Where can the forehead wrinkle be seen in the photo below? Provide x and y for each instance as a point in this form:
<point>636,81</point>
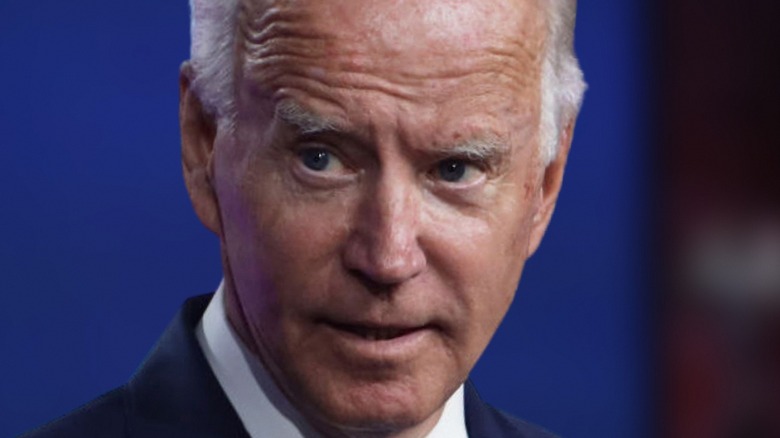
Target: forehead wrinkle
<point>281,39</point>
<point>276,33</point>
<point>284,76</point>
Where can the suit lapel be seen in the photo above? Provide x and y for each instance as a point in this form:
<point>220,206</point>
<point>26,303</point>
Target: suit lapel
<point>482,420</point>
<point>174,392</point>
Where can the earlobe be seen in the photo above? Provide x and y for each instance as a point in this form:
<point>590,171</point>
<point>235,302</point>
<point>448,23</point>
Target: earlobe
<point>550,188</point>
<point>198,133</point>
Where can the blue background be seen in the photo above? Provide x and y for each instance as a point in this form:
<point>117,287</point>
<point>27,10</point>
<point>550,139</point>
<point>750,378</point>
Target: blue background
<point>100,246</point>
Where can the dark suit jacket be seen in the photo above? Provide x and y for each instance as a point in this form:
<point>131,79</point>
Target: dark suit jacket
<point>174,394</point>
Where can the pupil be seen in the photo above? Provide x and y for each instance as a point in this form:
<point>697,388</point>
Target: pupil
<point>315,159</point>
<point>451,170</point>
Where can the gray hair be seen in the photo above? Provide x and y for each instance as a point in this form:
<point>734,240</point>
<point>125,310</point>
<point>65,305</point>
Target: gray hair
<point>213,31</point>
<point>562,83</point>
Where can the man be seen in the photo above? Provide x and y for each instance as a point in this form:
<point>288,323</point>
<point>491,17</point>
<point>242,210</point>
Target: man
<point>377,173</point>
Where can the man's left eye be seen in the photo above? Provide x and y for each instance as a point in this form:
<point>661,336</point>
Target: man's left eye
<point>454,170</point>
<point>319,160</point>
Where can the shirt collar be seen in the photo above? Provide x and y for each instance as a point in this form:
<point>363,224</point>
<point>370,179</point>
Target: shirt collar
<point>261,406</point>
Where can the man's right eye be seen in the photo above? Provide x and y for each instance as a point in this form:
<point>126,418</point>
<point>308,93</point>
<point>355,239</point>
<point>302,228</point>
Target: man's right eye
<point>320,162</point>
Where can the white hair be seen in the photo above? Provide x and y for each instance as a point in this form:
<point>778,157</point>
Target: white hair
<point>562,83</point>
<point>213,33</point>
<point>213,29</point>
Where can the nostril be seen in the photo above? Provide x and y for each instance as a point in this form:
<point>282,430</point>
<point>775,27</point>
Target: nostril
<point>372,284</point>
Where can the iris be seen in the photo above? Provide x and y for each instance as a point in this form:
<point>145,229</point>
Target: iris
<point>452,170</point>
<point>315,159</point>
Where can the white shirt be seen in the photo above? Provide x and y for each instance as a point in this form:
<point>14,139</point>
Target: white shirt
<point>260,405</point>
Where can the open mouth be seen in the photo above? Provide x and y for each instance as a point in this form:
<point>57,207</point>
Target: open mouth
<point>376,333</point>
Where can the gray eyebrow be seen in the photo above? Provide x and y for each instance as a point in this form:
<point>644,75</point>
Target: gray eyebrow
<point>306,121</point>
<point>487,149</point>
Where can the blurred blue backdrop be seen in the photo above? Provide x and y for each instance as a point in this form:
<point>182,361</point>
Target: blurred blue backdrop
<point>100,246</point>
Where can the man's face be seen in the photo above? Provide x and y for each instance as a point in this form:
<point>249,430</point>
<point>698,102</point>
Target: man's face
<point>379,196</point>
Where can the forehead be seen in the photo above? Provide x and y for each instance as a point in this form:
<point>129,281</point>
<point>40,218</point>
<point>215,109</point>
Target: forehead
<point>399,24</point>
<point>412,37</point>
<point>437,59</point>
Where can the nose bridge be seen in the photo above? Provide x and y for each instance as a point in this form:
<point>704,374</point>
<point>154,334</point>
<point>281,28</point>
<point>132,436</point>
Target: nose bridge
<point>385,246</point>
<point>397,214</point>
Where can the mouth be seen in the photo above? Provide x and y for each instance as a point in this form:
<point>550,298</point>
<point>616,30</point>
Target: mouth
<point>377,346</point>
<point>373,333</point>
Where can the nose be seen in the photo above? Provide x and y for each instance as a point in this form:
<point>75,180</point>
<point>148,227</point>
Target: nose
<point>384,245</point>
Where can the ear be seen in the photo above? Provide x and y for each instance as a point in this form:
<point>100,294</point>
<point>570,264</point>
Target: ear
<point>198,132</point>
<point>551,186</point>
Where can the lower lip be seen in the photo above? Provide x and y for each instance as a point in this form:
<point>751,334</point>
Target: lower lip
<point>399,348</point>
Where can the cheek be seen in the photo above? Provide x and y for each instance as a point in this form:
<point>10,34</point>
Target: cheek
<point>280,246</point>
<point>484,248</point>
<point>480,258</point>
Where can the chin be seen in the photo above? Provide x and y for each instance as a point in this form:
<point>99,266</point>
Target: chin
<point>377,409</point>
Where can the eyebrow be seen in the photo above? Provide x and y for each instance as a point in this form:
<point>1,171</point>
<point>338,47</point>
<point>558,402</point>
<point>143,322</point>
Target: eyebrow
<point>307,122</point>
<point>489,150</point>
